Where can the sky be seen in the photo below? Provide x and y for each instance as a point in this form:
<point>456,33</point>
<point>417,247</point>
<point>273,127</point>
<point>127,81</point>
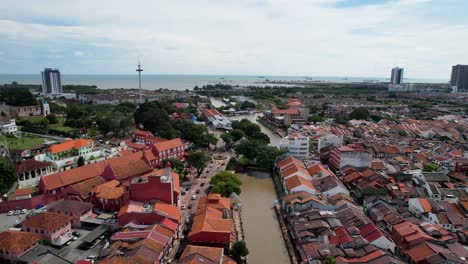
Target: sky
<point>353,38</point>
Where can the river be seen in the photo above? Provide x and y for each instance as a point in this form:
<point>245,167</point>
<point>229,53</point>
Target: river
<point>274,138</point>
<point>262,232</point>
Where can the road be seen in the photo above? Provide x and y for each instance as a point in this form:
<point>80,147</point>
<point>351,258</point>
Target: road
<point>195,183</point>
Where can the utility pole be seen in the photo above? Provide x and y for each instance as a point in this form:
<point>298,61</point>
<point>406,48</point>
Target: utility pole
<point>139,70</point>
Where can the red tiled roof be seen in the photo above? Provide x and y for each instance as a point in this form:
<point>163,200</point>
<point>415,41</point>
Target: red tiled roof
<point>84,188</point>
<point>215,200</point>
<point>173,212</point>
<point>142,132</point>
<point>289,160</point>
<point>290,111</point>
<point>22,192</point>
<point>210,220</point>
<point>109,190</point>
<point>131,165</point>
<point>296,181</point>
<point>169,144</point>
<point>70,144</point>
<point>17,241</point>
<point>72,176</point>
<point>426,205</point>
<point>292,169</point>
<point>47,221</point>
<point>316,168</point>
<point>210,112</point>
<point>30,165</point>
<point>212,253</point>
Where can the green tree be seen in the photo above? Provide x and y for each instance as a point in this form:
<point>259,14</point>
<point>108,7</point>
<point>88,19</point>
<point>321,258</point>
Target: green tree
<point>199,135</point>
<point>239,251</point>
<point>266,156</point>
<point>244,161</point>
<point>248,148</point>
<point>80,162</point>
<point>330,260</point>
<point>199,160</point>
<point>225,183</point>
<point>8,174</point>
<point>154,117</point>
<point>227,138</point>
<point>315,119</point>
<point>52,119</point>
<point>237,134</point>
<point>176,164</point>
<point>360,113</point>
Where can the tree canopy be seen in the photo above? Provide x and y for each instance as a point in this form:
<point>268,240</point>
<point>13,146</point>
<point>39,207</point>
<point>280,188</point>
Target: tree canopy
<point>17,96</point>
<point>239,251</point>
<point>360,113</point>
<point>8,174</point>
<point>199,160</point>
<point>226,183</point>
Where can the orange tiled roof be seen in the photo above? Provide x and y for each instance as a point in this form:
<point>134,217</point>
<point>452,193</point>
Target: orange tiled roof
<point>215,200</point>
<point>212,253</point>
<point>72,176</point>
<point>289,160</point>
<point>210,220</point>
<point>47,221</point>
<point>109,190</point>
<point>296,181</point>
<point>171,211</point>
<point>84,188</point>
<point>127,166</point>
<point>174,175</point>
<point>316,168</point>
<point>17,241</point>
<point>426,205</point>
<point>22,192</point>
<point>70,144</point>
<point>290,170</point>
<point>169,144</point>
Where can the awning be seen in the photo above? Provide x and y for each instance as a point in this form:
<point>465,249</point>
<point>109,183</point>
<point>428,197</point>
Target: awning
<point>93,235</point>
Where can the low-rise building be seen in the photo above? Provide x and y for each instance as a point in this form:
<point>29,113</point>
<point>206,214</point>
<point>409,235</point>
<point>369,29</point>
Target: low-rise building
<point>8,126</point>
<point>148,213</point>
<point>208,255</point>
<point>350,155</point>
<point>70,148</point>
<point>55,227</point>
<point>210,228</point>
<point>14,244</point>
<point>77,210</point>
<point>30,172</point>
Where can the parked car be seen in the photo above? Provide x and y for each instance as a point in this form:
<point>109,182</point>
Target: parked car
<point>182,207</point>
<point>193,197</point>
<point>17,212</point>
<point>91,258</point>
<point>188,188</point>
<point>202,184</point>
<point>74,238</point>
<point>197,191</point>
<point>76,233</point>
<point>190,206</point>
<point>24,211</point>
<point>183,193</point>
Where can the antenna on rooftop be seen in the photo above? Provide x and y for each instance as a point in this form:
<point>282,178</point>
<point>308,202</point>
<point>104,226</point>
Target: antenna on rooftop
<point>139,70</point>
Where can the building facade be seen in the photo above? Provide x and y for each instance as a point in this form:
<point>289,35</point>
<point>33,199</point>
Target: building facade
<point>297,144</point>
<point>51,81</point>
<point>459,77</point>
<point>397,76</point>
<point>8,126</point>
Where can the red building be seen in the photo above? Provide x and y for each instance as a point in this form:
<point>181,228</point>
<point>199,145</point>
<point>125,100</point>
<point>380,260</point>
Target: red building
<point>174,148</point>
<point>110,196</point>
<point>161,185</point>
<point>210,228</point>
<point>148,213</point>
<point>141,135</point>
<point>14,244</point>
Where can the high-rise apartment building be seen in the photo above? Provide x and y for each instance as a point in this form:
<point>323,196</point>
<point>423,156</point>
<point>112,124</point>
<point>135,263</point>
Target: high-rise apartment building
<point>397,76</point>
<point>460,77</point>
<point>51,81</point>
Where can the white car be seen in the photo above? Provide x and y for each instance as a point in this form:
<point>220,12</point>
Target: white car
<point>17,212</point>
<point>182,207</point>
<point>193,197</point>
<point>24,211</point>
<point>11,212</point>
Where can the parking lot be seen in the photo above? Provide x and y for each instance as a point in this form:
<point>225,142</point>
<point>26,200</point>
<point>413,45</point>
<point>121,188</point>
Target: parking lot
<point>7,221</point>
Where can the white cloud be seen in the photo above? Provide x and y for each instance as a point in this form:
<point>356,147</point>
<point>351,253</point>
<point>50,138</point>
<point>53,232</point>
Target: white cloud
<point>300,37</point>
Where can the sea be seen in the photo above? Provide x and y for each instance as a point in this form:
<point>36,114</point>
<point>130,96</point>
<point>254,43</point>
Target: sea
<point>183,82</point>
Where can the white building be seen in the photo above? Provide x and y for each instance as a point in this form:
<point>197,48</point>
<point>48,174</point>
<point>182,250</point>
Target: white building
<point>8,126</point>
<point>297,144</point>
<point>329,140</point>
